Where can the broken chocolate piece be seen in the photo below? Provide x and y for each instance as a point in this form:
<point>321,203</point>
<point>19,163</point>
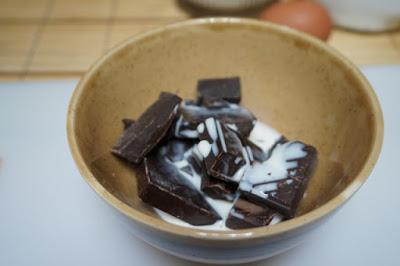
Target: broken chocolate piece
<point>246,214</point>
<point>218,189</point>
<point>127,122</point>
<point>214,188</point>
<point>162,185</point>
<point>280,181</point>
<point>219,89</point>
<point>224,156</point>
<point>234,116</point>
<point>141,137</point>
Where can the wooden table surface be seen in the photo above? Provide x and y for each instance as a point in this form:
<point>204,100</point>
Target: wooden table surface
<point>61,38</point>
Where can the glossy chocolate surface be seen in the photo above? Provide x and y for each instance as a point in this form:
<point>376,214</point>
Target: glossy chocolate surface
<point>148,130</point>
<point>163,186</point>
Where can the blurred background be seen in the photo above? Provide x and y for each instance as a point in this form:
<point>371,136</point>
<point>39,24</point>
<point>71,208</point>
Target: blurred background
<point>61,38</point>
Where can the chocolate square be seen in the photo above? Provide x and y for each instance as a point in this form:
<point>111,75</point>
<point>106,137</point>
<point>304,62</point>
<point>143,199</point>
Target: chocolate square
<point>218,189</point>
<point>141,137</point>
<point>280,181</point>
<point>213,187</point>
<point>162,185</point>
<point>246,214</point>
<point>219,89</point>
<point>225,158</point>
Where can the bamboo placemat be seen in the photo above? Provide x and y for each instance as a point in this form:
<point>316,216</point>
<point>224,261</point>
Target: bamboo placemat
<point>59,38</point>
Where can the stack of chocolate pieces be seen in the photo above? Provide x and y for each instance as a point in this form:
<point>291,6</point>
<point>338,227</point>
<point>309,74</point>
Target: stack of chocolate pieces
<point>192,153</point>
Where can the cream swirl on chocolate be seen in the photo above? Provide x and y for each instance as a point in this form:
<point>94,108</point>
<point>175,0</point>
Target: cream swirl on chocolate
<point>279,182</point>
<point>261,178</point>
<point>228,157</point>
<point>234,116</point>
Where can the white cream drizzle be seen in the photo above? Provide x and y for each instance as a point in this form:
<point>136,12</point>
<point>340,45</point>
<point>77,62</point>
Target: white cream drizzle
<point>187,133</point>
<point>233,127</point>
<point>277,165</point>
<point>261,178</point>
<point>178,126</point>
<point>197,153</point>
<point>250,153</point>
<point>204,148</point>
<point>234,213</point>
<point>191,134</point>
<point>276,219</point>
<point>264,136</point>
<point>200,128</point>
<point>221,136</point>
<point>222,207</point>
<point>211,129</point>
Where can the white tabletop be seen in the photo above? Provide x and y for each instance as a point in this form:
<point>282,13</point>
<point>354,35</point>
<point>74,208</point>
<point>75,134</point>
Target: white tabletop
<point>50,216</point>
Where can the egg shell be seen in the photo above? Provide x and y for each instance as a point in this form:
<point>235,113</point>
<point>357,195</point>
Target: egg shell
<point>306,16</point>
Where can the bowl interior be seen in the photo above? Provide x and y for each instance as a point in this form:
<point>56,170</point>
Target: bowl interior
<point>287,81</point>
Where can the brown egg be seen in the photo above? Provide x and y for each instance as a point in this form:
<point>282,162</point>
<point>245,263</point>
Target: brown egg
<point>303,15</point>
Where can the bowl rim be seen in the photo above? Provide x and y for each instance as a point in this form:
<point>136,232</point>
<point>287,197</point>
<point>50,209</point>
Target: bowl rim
<point>252,233</point>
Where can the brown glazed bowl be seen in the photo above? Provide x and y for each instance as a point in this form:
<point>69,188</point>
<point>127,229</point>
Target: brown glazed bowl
<point>298,84</point>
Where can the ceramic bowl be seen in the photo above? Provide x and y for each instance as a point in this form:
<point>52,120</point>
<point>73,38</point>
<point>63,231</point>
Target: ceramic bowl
<point>298,84</point>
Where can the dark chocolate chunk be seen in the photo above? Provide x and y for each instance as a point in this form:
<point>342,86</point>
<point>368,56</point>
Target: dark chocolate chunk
<point>127,122</point>
<point>234,116</point>
<point>224,156</point>
<point>218,189</point>
<point>214,188</point>
<point>246,214</point>
<point>219,89</point>
<point>162,185</point>
<point>140,138</point>
<point>280,181</point>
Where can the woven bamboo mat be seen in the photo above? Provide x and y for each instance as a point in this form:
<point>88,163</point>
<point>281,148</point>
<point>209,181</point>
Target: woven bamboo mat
<point>59,38</point>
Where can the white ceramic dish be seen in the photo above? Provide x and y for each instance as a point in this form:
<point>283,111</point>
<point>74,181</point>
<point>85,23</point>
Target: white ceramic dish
<point>365,15</point>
